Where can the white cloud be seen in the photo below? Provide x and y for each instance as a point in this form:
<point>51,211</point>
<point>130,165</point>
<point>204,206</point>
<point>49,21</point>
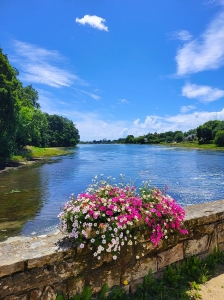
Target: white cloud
<point>187,108</point>
<point>93,126</point>
<point>93,21</point>
<point>39,65</point>
<point>94,96</point>
<point>183,122</point>
<point>182,35</point>
<point>123,101</point>
<point>203,93</point>
<point>205,52</point>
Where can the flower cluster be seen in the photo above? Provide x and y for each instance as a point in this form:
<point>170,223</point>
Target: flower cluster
<point>105,216</point>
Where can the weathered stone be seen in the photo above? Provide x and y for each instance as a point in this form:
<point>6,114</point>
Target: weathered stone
<point>61,289</point>
<point>143,266</point>
<point>75,286</point>
<point>221,246</point>
<point>40,261</point>
<point>21,297</point>
<point>35,294</point>
<point>205,229</point>
<point>109,273</point>
<point>220,227</point>
<point>170,256</point>
<point>194,247</point>
<point>221,237</point>
<point>12,268</point>
<point>48,294</point>
<point>41,267</point>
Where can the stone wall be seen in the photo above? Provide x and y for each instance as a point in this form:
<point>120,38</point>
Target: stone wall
<point>40,267</point>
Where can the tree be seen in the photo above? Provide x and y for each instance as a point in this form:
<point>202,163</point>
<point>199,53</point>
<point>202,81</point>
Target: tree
<point>179,137</point>
<point>219,138</point>
<point>28,96</point>
<point>8,107</point>
<point>61,132</point>
<point>129,139</point>
<point>32,128</point>
<point>205,132</point>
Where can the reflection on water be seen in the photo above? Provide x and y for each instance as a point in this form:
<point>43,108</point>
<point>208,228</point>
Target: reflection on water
<point>31,197</point>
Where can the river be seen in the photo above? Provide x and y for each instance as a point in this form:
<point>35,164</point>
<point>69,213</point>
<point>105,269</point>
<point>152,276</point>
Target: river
<point>31,196</point>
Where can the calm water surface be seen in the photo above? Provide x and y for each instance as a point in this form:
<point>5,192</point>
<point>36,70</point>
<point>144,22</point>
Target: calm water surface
<point>31,197</point>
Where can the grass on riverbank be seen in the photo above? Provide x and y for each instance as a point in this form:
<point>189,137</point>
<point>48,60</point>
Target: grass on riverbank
<point>32,153</point>
<point>195,145</point>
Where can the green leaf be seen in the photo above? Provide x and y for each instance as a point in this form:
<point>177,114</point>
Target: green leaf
<point>103,291</point>
<point>87,293</point>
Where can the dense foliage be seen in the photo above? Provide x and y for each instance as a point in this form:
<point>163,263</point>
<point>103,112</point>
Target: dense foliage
<point>21,120</point>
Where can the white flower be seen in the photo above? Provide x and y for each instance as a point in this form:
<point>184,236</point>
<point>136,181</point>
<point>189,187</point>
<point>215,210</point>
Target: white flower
<point>95,254</point>
<point>92,240</point>
<point>137,257</point>
<point>104,241</point>
<point>81,246</point>
<point>115,257</point>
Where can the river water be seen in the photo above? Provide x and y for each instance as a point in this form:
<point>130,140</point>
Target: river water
<point>31,196</point>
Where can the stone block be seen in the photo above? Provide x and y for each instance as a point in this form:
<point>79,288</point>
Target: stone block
<point>40,260</point>
<point>48,294</point>
<point>11,268</point>
<point>220,237</point>
<point>143,266</point>
<point>205,229</point>
<point>75,286</point>
<point>35,294</point>
<point>170,256</point>
<point>194,247</point>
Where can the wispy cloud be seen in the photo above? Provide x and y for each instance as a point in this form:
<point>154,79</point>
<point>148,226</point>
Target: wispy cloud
<point>182,35</point>
<point>90,94</point>
<point>204,53</point>
<point>123,101</point>
<point>93,21</point>
<point>203,93</point>
<point>39,65</point>
<point>187,108</point>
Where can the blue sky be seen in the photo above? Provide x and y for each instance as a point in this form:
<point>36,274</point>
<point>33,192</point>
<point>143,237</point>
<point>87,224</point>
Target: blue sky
<point>120,67</point>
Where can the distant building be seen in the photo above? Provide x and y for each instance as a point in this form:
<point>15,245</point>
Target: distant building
<point>190,137</point>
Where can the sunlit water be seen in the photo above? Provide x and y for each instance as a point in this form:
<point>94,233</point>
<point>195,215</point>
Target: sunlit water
<point>31,197</point>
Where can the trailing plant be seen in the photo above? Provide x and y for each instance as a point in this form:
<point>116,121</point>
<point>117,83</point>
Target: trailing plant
<point>105,215</point>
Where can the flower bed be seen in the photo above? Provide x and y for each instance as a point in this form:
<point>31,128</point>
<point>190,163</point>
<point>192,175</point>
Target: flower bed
<point>105,216</point>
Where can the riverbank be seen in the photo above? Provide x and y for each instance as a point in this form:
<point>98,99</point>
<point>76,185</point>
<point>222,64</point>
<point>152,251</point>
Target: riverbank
<point>31,155</point>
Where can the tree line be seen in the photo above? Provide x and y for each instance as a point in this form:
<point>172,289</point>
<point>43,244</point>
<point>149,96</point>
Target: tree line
<point>209,132</point>
<point>21,120</point>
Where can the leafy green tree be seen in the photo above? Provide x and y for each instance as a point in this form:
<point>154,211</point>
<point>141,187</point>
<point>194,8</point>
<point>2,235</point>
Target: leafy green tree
<point>61,132</point>
<point>32,128</point>
<point>179,137</point>
<point>205,132</point>
<point>219,138</point>
<point>28,96</point>
<point>129,139</point>
<point>8,107</point>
